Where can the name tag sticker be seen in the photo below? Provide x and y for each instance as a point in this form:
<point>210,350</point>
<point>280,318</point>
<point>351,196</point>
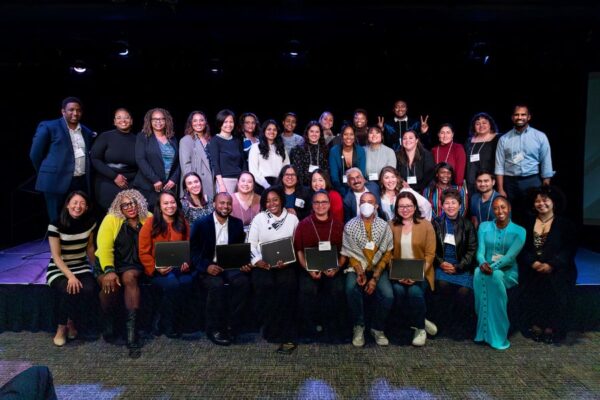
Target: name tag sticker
<point>412,180</point>
<point>474,158</point>
<point>299,203</point>
<point>518,157</point>
<point>324,245</point>
<point>373,176</point>
<point>449,238</point>
<point>344,179</point>
<point>311,168</point>
<point>370,245</point>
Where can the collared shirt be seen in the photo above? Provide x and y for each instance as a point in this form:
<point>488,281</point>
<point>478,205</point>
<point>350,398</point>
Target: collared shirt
<point>482,210</point>
<point>221,234</point>
<point>524,154</point>
<point>357,196</point>
<point>78,150</point>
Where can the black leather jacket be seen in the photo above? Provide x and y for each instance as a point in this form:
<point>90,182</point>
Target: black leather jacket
<point>465,238</point>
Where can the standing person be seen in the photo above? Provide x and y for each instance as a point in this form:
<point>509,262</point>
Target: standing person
<point>480,147</point>
<point>268,156</point>
<point>547,271</point>
<point>481,201</point>
<point>415,164</point>
<point>320,181</point>
<point>71,238</point>
<point>297,196</point>
<point>456,244</point>
<point>113,158</point>
<point>312,155</point>
<point>444,176</point>
<point>523,160</point>
<point>275,286</point>
<point>119,262</point>
<point>156,155</point>
<point>194,202</point>
<point>343,156</point>
<point>326,122</point>
<point>248,128</point>
<point>360,123</point>
<point>290,138</point>
<point>498,244</point>
<point>168,224</point>
<point>367,243</point>
<point>226,154</point>
<point>452,153</point>
<point>414,238</point>
<point>193,152</point>
<point>393,131</point>
<point>59,153</point>
<point>224,306</point>
<point>245,201</point>
<point>321,298</point>
<point>377,154</point>
<point>390,185</point>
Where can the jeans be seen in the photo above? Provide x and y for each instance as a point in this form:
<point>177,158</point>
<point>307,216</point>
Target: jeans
<point>384,298</point>
<point>415,294</point>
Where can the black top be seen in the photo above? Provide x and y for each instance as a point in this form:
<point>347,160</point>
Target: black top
<point>309,154</point>
<point>226,156</point>
<point>126,248</point>
<point>422,169</point>
<point>487,159</point>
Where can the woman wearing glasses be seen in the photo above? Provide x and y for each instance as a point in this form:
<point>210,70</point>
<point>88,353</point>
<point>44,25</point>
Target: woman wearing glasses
<point>156,153</point>
<point>297,197</point>
<point>118,261</point>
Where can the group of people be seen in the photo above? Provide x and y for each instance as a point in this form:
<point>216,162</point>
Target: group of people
<point>374,194</point>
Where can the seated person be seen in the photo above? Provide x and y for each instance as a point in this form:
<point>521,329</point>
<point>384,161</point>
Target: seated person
<point>358,186</point>
<point>444,175</point>
<point>297,196</point>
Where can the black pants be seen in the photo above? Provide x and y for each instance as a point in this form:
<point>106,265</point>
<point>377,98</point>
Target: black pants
<point>453,306</point>
<point>225,305</point>
<point>545,302</point>
<point>322,301</point>
<point>275,291</point>
<point>71,305</point>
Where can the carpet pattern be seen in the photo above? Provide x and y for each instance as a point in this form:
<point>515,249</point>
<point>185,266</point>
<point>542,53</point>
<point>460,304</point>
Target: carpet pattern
<point>193,367</point>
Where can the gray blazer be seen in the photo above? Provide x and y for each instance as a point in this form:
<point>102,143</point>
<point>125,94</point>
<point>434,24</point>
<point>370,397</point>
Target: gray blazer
<point>193,157</point>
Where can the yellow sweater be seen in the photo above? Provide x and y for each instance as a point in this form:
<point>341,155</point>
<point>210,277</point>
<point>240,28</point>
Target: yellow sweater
<point>109,229</point>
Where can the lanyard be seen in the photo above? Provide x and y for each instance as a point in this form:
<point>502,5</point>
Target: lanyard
<point>473,148</point>
<point>491,200</point>
<point>318,153</point>
<point>437,153</point>
<point>330,229</point>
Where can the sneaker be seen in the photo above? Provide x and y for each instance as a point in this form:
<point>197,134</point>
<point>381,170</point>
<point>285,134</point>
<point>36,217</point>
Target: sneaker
<point>419,338</point>
<point>358,337</point>
<point>430,328</point>
<point>379,337</point>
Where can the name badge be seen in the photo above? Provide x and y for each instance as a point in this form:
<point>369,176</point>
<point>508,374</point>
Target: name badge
<point>373,176</point>
<point>412,180</point>
<point>449,238</point>
<point>325,245</point>
<point>311,168</point>
<point>79,153</point>
<point>344,179</point>
<point>299,203</point>
<point>497,257</point>
<point>517,158</point>
<point>474,158</point>
<point>370,245</point>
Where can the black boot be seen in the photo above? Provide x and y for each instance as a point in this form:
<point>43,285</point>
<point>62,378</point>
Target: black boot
<point>132,336</point>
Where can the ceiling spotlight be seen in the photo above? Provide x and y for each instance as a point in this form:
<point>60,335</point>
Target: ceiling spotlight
<point>293,49</point>
<point>79,67</point>
<point>215,66</point>
<point>122,48</point>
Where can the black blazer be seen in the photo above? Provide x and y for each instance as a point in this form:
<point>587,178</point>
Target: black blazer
<point>203,239</point>
<point>150,162</point>
<point>350,205</point>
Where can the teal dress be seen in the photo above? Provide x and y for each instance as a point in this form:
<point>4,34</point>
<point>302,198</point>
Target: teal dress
<point>499,248</point>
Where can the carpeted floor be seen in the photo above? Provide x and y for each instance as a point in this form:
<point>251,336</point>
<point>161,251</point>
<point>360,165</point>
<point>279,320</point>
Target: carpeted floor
<point>195,368</point>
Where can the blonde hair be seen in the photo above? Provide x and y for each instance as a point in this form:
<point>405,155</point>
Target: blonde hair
<point>137,197</point>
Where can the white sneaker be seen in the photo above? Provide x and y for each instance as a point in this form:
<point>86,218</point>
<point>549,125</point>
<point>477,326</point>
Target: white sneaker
<point>430,328</point>
<point>358,337</point>
<point>379,337</point>
<point>419,338</point>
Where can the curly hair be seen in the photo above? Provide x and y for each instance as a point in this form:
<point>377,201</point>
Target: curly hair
<point>135,196</point>
<point>481,115</point>
<point>169,126</point>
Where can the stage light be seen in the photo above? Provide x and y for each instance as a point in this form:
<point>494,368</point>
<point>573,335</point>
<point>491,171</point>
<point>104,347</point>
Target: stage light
<point>293,49</point>
<point>122,48</point>
<point>215,66</point>
<point>79,67</point>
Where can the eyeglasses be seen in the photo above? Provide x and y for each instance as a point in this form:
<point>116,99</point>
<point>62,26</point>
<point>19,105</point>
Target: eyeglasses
<point>320,203</point>
<point>125,206</point>
<point>158,119</point>
<point>405,207</point>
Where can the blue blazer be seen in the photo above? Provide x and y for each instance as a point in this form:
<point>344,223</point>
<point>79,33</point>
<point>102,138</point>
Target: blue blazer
<point>350,205</point>
<point>337,167</point>
<point>151,167</point>
<point>52,156</point>
<point>203,239</point>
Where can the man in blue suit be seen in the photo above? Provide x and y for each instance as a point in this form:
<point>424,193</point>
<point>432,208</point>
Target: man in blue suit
<point>224,311</point>
<point>60,156</point>
<point>358,185</point>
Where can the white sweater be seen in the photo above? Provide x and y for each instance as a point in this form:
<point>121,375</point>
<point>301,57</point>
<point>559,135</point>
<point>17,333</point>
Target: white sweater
<point>262,168</point>
<point>266,227</point>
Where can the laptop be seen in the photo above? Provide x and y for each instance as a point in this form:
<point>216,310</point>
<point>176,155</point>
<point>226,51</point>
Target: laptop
<point>233,256</point>
<point>408,269</point>
<point>278,250</point>
<point>320,260</point>
<point>171,254</point>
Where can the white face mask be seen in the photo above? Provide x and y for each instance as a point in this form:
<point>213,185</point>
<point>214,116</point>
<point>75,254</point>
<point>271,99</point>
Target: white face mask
<point>366,209</point>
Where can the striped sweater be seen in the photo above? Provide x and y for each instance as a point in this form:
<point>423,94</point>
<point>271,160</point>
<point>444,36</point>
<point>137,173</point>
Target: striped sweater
<point>73,246</point>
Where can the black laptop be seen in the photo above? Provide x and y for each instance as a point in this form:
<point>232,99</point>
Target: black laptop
<point>320,260</point>
<point>171,254</point>
<point>408,268</point>
<point>233,256</point>
<point>278,250</point>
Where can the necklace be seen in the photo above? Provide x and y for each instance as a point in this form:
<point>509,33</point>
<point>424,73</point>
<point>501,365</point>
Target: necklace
<point>545,222</point>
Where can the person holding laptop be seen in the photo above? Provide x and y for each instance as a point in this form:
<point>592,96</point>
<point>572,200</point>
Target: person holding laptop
<point>367,242</point>
<point>456,245</point>
<point>414,238</point>
<point>168,224</point>
<point>321,231</point>
<point>274,284</point>
<point>224,309</point>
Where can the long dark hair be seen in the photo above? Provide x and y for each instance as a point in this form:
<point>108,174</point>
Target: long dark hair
<point>282,173</point>
<point>65,221</point>
<point>325,176</point>
<point>483,115</point>
<point>188,196</point>
<point>169,126</point>
<point>221,117</point>
<point>188,130</point>
<point>403,157</point>
<point>159,225</point>
<point>416,216</point>
<point>239,129</point>
<point>263,143</point>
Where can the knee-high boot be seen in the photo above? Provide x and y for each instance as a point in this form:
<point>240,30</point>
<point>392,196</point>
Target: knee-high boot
<point>132,336</point>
